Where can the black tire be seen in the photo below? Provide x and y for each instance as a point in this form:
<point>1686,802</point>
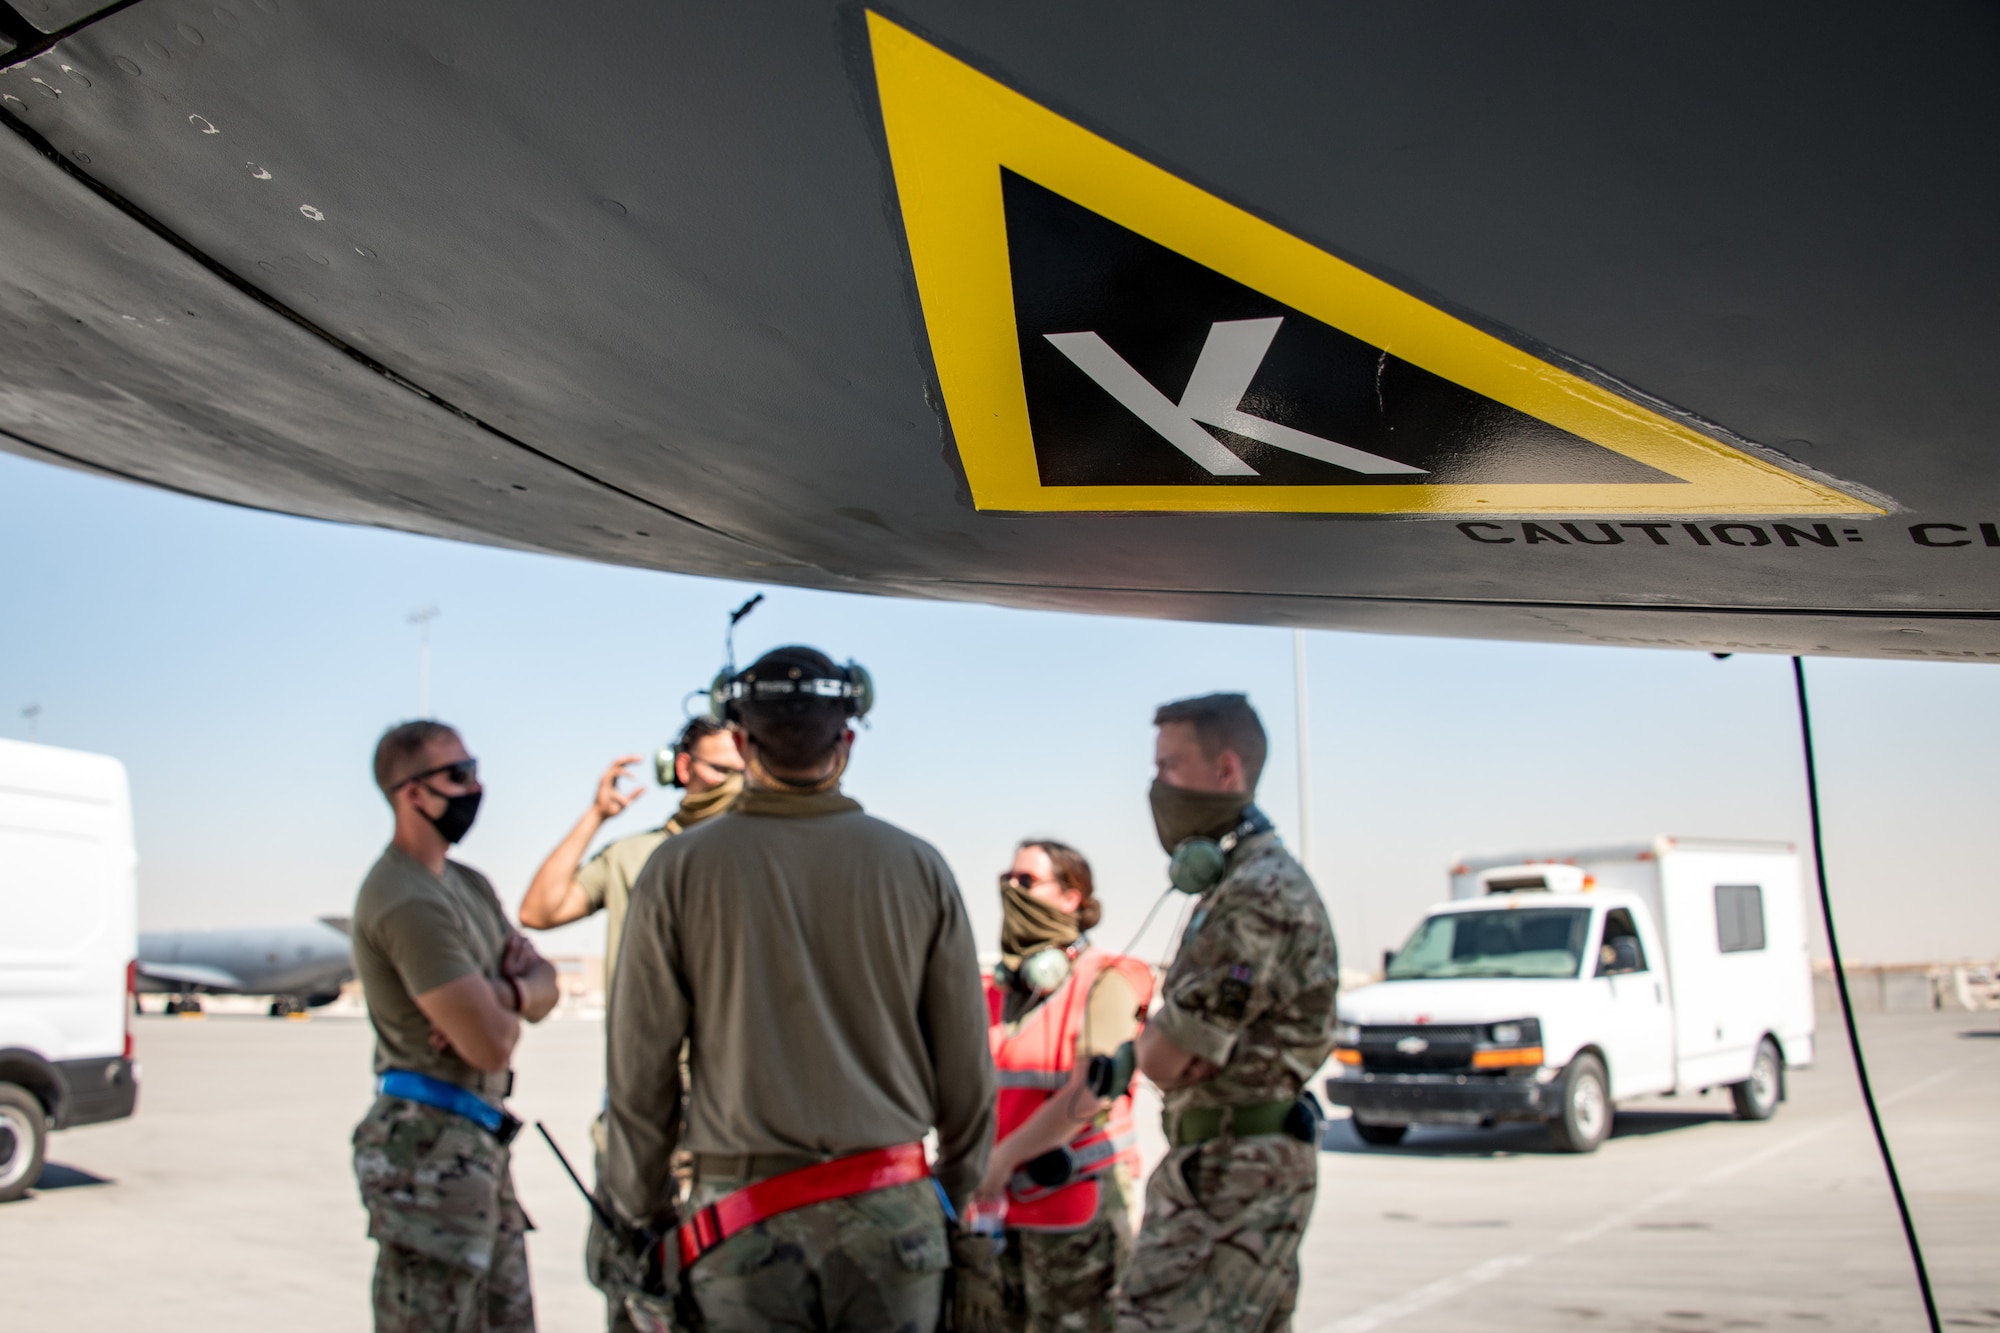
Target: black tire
<point>1585,1121</point>
<point>24,1140</point>
<point>1381,1136</point>
<point>1757,1097</point>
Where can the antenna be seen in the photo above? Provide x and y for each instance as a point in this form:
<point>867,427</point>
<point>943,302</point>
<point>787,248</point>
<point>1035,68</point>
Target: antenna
<point>422,619</point>
<point>729,637</point>
<point>1305,748</point>
<point>33,712</point>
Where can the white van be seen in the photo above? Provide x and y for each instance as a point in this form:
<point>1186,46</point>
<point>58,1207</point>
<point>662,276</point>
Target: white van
<point>1555,985</point>
<point>68,945</point>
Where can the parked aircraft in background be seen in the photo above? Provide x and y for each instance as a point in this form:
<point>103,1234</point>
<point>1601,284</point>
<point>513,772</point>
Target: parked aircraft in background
<point>299,967</point>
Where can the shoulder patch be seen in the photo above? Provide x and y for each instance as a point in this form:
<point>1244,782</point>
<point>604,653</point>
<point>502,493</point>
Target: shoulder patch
<point>1232,997</point>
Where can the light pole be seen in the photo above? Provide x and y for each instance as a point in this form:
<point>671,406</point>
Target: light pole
<point>422,620</point>
<point>33,712</point>
<point>1305,748</point>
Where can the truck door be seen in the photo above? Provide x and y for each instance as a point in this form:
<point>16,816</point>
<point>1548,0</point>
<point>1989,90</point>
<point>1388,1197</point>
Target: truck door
<point>1639,1039</point>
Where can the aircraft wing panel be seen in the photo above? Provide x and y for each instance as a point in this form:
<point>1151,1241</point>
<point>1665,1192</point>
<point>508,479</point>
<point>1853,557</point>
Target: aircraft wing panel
<point>635,283</point>
<point>129,356</point>
<point>172,975</point>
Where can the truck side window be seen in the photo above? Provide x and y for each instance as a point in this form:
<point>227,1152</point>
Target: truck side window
<point>1739,917</point>
<point>1621,950</point>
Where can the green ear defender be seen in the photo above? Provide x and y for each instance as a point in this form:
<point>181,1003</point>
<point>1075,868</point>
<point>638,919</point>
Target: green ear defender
<point>718,695</point>
<point>1198,863</point>
<point>861,688</point>
<point>1044,970</point>
<point>1039,973</point>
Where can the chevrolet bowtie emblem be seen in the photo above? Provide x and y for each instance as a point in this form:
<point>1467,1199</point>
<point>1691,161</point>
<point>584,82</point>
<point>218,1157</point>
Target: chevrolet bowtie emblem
<point>1413,1046</point>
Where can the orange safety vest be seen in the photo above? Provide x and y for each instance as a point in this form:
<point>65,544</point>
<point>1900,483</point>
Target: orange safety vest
<point>1034,1060</point>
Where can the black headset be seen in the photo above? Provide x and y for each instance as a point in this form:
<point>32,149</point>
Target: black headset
<point>851,685</point>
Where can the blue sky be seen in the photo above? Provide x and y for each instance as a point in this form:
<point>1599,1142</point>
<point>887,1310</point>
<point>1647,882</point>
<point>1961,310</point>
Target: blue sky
<point>241,664</point>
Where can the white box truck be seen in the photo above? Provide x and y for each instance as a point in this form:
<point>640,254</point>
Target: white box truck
<point>68,941</point>
<point>1557,984</point>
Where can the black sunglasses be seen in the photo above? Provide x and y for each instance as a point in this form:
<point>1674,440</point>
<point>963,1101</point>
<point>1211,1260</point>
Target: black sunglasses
<point>1020,879</point>
<point>462,772</point>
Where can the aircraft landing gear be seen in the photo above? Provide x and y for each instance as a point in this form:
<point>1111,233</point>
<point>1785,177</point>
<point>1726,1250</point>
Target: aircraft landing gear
<point>287,1006</point>
<point>184,1004</point>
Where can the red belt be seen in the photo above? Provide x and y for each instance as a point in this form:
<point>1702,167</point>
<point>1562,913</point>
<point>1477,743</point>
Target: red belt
<point>843,1176</point>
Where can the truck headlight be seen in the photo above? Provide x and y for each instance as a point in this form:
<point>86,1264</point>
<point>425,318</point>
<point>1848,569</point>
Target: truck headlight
<point>1346,1034</point>
<point>1520,1032</point>
<point>1507,1034</point>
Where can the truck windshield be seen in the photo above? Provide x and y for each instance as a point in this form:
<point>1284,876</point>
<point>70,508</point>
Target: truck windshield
<point>1537,942</point>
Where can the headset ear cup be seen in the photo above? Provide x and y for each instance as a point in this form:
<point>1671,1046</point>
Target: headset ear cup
<point>1044,970</point>
<point>863,684</point>
<point>663,767</point>
<point>1197,865</point>
<point>718,705</point>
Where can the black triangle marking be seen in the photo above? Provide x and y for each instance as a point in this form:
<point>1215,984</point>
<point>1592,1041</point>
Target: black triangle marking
<point>1076,271</point>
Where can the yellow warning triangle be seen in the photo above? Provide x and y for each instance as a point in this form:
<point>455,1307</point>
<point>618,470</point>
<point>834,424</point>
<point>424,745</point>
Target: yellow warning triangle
<point>1073,393</point>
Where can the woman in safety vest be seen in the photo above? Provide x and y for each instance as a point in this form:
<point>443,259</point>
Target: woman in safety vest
<point>1063,1162</point>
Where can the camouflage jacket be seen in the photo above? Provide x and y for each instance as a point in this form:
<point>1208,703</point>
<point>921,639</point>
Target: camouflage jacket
<point>1251,989</point>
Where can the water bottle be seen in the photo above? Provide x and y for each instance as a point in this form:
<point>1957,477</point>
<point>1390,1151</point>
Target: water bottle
<point>989,1220</point>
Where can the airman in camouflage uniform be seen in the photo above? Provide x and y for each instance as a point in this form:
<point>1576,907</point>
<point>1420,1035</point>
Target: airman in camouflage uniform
<point>448,987</point>
<point>1246,1017</point>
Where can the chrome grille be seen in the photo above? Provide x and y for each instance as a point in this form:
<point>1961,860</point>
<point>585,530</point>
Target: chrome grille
<point>1425,1048</point>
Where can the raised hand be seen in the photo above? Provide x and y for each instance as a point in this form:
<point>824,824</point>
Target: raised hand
<point>611,800</point>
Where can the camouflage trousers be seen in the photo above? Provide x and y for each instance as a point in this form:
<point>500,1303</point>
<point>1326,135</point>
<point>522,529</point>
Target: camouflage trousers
<point>453,1251</point>
<point>869,1263</point>
<point>1219,1246</point>
<point>1061,1281</point>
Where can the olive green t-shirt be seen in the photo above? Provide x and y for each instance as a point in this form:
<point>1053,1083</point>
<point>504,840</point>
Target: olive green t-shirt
<point>413,932</point>
<point>606,880</point>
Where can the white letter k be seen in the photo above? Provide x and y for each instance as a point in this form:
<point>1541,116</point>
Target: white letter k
<point>1229,361</point>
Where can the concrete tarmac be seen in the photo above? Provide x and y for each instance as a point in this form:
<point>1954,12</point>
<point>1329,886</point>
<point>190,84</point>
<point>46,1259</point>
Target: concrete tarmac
<point>227,1202</point>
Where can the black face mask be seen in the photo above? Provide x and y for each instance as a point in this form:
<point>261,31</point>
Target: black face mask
<point>459,812</point>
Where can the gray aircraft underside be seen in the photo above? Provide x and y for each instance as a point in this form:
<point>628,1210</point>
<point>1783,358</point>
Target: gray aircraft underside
<point>306,964</point>
<point>1664,325</point>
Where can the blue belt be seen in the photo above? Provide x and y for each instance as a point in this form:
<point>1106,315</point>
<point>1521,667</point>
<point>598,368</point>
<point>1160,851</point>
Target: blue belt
<point>415,1087</point>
